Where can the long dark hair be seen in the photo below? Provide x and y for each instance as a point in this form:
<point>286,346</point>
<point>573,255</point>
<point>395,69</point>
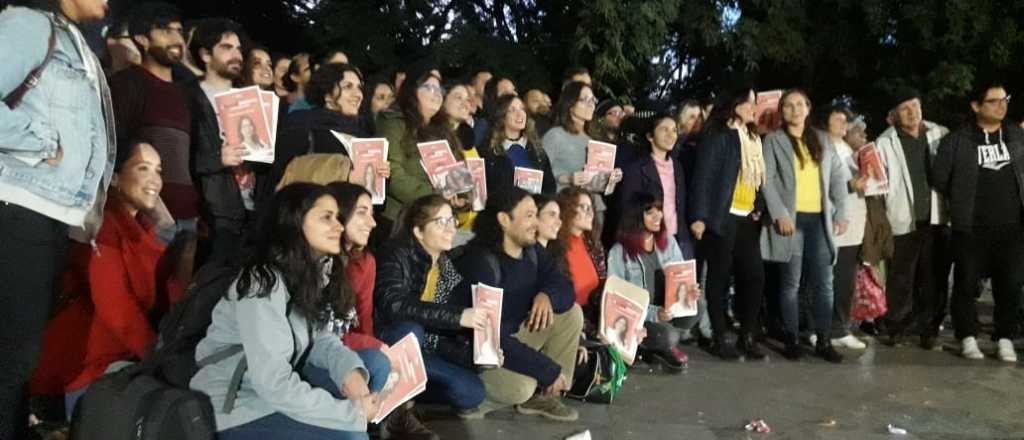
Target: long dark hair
<point>347,195</point>
<point>440,125</point>
<point>487,231</point>
<point>725,111</point>
<point>555,247</point>
<point>632,229</point>
<point>563,108</point>
<point>497,135</point>
<point>409,106</point>
<point>810,135</point>
<point>280,247</point>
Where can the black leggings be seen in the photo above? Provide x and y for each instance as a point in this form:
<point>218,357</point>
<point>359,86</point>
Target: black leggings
<point>734,253</point>
<point>32,252</point>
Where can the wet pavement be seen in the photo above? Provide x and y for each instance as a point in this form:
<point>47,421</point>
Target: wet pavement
<point>932,394</point>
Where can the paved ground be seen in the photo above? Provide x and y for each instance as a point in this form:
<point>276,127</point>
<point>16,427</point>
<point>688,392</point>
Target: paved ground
<point>934,395</point>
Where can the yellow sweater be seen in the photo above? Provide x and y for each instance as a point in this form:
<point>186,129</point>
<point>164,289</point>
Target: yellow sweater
<point>808,182</point>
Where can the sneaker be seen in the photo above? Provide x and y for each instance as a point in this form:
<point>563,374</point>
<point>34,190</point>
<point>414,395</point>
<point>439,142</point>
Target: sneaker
<point>478,413</point>
<point>970,348</point>
<point>1006,351</point>
<point>681,355</point>
<point>550,407</point>
<point>849,341</point>
<point>813,340</point>
<point>403,424</point>
<point>827,352</point>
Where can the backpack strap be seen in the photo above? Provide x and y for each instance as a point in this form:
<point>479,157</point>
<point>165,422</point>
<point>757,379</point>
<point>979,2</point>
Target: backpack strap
<point>14,98</point>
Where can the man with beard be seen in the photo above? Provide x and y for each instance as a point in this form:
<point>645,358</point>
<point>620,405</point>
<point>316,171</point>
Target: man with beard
<point>227,184</point>
<point>148,105</point>
<point>540,322</point>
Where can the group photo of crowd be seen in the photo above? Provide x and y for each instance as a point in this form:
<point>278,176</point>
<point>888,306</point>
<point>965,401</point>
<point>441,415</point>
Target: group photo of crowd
<point>262,232</point>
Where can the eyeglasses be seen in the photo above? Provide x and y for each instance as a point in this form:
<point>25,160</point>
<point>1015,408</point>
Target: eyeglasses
<point>445,222</point>
<point>588,101</point>
<point>437,90</point>
<point>1005,100</point>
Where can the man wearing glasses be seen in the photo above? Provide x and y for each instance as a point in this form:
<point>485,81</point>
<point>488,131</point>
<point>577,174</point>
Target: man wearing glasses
<point>980,168</point>
<point>907,148</point>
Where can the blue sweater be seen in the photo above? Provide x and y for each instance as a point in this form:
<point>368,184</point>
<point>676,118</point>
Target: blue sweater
<point>521,279</point>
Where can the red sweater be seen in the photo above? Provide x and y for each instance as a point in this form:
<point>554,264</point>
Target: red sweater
<point>123,287</point>
<point>362,274</point>
<point>581,267</point>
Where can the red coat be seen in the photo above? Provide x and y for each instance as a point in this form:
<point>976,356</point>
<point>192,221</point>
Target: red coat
<point>361,272</point>
<point>123,287</point>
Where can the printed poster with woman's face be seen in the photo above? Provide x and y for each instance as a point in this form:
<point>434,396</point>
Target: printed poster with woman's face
<point>487,342</point>
<point>408,376</point>
<point>623,311</point>
<point>681,292</point>
<point>870,163</point>
<point>242,115</point>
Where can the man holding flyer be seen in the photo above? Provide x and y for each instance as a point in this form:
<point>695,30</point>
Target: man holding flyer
<point>540,322</point>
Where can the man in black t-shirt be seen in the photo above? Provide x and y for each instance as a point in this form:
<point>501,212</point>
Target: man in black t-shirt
<point>980,168</point>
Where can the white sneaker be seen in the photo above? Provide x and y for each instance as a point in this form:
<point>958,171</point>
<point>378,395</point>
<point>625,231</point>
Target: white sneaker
<point>813,339</point>
<point>849,341</point>
<point>1006,351</point>
<point>970,348</point>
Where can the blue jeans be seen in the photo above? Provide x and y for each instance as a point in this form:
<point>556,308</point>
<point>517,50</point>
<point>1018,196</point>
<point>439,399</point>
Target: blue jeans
<point>812,259</point>
<point>447,383</point>
<point>278,425</point>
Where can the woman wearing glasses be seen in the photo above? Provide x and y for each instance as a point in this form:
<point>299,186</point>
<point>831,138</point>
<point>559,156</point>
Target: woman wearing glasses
<point>420,291</point>
<point>566,143</point>
<point>419,99</point>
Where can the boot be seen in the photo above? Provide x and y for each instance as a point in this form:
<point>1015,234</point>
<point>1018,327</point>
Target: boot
<point>746,345</point>
<point>723,350</point>
<point>825,349</point>
<point>792,351</point>
<point>403,424</point>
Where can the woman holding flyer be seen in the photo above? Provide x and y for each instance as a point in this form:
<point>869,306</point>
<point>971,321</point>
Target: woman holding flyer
<point>281,318</point>
<point>419,99</point>
<point>451,121</point>
<point>335,94</point>
<point>567,143</point>
<point>513,144</point>
<point>420,291</point>
<point>805,190</point>
<point>642,250</point>
<point>725,211</point>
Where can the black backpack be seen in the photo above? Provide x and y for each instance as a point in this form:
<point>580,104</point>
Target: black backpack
<point>151,400</point>
<point>600,378</point>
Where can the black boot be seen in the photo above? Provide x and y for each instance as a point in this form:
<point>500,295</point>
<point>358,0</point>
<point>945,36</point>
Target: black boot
<point>749,347</point>
<point>792,351</point>
<point>723,350</point>
<point>403,424</point>
<point>827,352</point>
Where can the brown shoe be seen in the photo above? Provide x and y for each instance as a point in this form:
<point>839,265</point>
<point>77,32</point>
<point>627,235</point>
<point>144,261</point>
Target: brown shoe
<point>402,424</point>
<point>550,407</point>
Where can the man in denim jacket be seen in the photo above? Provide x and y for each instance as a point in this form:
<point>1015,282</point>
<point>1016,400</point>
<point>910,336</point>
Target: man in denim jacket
<point>56,158</point>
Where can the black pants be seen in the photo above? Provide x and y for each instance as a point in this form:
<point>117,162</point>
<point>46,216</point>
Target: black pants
<point>999,253</point>
<point>734,252</point>
<point>942,264</point>
<point>844,280</point>
<point>910,283</point>
<point>32,253</point>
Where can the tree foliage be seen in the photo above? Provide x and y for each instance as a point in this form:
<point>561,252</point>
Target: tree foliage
<point>859,50</point>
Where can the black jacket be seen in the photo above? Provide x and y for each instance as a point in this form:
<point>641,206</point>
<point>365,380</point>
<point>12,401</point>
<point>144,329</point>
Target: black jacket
<point>714,179</point>
<point>222,206</point>
<point>501,172</point>
<point>309,131</point>
<point>401,275</point>
<point>642,177</point>
<point>955,171</point>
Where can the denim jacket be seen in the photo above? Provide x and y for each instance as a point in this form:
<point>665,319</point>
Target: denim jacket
<point>69,108</point>
<point>632,269</point>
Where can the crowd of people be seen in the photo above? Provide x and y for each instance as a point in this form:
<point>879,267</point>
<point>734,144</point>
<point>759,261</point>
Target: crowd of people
<point>116,186</point>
